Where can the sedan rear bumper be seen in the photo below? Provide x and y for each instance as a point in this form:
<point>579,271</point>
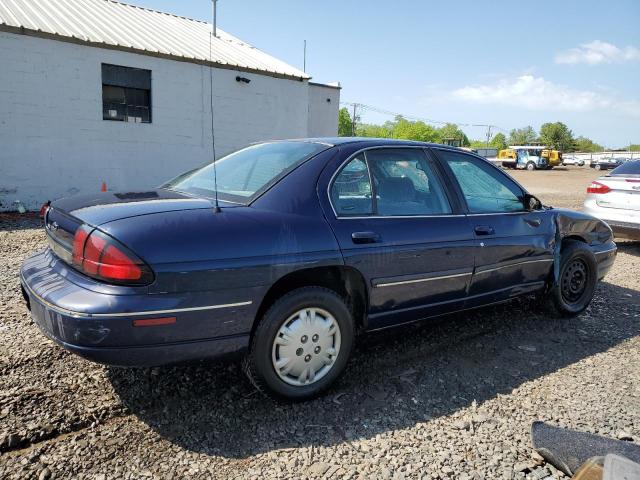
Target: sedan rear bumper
<point>630,231</point>
<point>143,355</point>
<point>65,312</point>
<point>617,219</point>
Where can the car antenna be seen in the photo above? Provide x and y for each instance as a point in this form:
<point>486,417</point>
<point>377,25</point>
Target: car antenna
<point>213,136</point>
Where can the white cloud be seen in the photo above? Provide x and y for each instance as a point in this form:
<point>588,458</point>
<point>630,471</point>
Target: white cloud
<point>598,52</point>
<point>536,93</point>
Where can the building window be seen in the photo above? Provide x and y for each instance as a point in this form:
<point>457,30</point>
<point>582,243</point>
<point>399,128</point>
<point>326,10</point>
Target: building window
<point>126,94</point>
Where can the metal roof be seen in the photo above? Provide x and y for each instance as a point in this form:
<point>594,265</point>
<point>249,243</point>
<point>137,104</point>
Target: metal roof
<point>116,25</point>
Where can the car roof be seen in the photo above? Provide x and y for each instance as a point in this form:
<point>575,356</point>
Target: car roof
<point>368,141</point>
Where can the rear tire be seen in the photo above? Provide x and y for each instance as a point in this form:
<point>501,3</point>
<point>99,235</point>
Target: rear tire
<point>301,345</point>
<point>598,167</point>
<point>577,283</point>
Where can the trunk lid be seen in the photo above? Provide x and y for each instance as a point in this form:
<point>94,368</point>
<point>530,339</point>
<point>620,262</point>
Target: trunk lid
<point>101,208</point>
<point>65,216</point>
<point>624,193</point>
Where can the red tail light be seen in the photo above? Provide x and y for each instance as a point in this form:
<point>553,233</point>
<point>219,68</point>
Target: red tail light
<point>100,256</point>
<point>597,187</point>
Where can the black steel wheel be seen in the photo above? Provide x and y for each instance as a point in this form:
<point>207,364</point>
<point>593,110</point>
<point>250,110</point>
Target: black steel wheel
<point>573,283</point>
<point>572,293</point>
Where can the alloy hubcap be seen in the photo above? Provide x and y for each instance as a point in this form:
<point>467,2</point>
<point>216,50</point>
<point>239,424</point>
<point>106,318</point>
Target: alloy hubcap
<point>574,281</point>
<point>306,346</point>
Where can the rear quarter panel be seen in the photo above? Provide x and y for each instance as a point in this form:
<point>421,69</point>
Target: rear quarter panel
<point>240,252</point>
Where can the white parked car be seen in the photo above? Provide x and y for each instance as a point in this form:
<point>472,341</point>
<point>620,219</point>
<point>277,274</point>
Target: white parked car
<point>615,198</point>
<point>572,160</point>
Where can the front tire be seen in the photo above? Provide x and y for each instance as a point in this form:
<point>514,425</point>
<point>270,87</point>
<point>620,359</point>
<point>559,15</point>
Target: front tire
<point>302,344</point>
<point>578,278</point>
<point>531,166</point>
<point>598,167</point>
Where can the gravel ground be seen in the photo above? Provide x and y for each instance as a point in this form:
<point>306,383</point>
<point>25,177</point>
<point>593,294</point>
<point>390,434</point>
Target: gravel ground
<point>453,398</point>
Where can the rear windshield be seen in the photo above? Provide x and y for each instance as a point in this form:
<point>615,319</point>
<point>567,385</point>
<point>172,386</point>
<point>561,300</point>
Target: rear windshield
<point>245,174</point>
<point>628,168</point>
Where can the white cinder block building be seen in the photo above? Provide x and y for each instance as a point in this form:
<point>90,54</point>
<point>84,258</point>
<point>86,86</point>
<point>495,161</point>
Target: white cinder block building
<point>99,91</point>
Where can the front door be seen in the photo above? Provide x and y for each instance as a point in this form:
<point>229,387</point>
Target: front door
<point>514,246</point>
<point>397,224</point>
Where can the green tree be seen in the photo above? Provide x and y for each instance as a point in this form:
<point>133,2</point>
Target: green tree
<point>557,135</point>
<point>419,131</point>
<point>451,130</point>
<point>344,123</point>
<point>478,143</point>
<point>522,136</point>
<point>583,144</point>
<point>499,141</point>
<point>372,130</point>
<point>634,147</point>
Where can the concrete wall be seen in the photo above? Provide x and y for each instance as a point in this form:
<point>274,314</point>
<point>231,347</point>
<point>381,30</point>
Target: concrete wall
<point>54,142</point>
<point>324,103</point>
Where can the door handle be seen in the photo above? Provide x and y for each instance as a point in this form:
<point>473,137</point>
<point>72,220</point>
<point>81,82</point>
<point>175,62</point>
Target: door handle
<point>365,237</point>
<point>534,222</point>
<point>484,230</point>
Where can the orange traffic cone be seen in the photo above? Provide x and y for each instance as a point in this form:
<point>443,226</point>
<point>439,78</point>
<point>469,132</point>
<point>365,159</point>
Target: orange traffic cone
<point>104,187</point>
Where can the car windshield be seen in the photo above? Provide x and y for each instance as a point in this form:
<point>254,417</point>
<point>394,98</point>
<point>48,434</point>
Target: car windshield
<point>245,174</point>
<point>629,168</point>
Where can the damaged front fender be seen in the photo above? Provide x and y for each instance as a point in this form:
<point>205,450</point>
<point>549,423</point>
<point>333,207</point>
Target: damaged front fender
<point>570,224</point>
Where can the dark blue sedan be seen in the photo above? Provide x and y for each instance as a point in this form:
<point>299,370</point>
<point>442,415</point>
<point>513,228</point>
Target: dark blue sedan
<point>314,241</point>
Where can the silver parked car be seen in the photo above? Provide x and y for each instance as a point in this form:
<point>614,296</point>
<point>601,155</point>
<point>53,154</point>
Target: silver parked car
<point>615,198</point>
<point>572,160</point>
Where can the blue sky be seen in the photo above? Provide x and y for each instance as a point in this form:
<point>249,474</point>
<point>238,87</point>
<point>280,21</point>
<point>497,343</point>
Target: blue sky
<point>506,63</point>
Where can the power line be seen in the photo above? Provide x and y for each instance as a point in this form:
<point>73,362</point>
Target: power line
<point>363,106</point>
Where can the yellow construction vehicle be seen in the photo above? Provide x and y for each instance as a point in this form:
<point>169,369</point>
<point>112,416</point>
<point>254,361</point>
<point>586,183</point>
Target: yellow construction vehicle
<point>530,157</point>
<point>554,157</point>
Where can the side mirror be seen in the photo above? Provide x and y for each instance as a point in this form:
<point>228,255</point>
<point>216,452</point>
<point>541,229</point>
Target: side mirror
<point>531,203</point>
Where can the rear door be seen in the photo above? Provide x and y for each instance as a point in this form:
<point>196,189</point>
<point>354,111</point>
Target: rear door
<point>397,224</point>
<point>514,247</point>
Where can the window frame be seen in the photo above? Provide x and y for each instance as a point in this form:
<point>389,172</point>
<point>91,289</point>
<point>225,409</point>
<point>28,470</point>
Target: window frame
<point>456,185</point>
<point>125,86</point>
<point>434,162</point>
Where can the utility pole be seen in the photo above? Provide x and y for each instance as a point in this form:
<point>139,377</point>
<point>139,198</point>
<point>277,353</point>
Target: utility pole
<point>488,134</point>
<point>353,121</point>
<point>215,30</point>
<point>304,57</point>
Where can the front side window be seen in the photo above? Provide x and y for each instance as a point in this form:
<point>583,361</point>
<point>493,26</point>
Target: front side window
<point>126,94</point>
<point>245,174</point>
<point>485,189</point>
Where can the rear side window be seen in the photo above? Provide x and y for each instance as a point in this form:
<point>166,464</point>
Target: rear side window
<point>485,189</point>
<point>389,182</point>
<point>351,189</point>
